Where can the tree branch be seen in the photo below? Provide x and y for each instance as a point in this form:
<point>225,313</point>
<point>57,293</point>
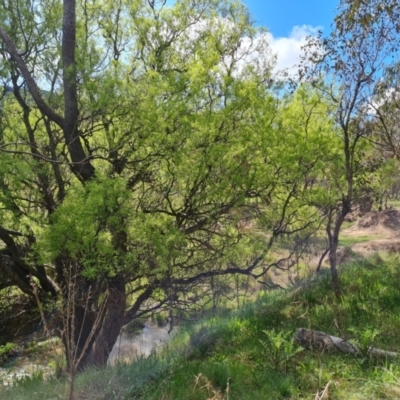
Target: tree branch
<point>30,82</point>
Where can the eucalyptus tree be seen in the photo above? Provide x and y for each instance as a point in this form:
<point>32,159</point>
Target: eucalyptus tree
<point>378,21</point>
<point>136,138</point>
<point>350,63</point>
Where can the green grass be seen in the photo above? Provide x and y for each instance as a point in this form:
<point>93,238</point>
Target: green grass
<point>249,354</point>
<point>346,225</point>
<point>348,241</point>
<point>394,203</point>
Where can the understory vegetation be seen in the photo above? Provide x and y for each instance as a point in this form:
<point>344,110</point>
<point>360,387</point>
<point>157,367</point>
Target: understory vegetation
<point>249,353</point>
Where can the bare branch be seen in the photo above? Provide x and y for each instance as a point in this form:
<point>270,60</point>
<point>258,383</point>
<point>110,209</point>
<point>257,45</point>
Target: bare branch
<point>33,88</point>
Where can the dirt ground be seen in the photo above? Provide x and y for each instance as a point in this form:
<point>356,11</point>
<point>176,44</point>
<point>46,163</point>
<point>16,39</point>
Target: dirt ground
<point>378,231</point>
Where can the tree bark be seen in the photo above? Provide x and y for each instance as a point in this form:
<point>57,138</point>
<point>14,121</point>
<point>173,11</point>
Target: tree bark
<point>91,326</point>
<point>80,163</point>
<point>333,268</point>
<point>111,324</point>
<point>333,237</point>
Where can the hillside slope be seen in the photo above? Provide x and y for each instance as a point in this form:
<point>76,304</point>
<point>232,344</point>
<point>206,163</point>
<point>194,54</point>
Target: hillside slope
<point>250,354</point>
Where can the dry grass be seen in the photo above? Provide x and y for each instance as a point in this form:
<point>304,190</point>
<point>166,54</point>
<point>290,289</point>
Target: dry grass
<point>202,383</point>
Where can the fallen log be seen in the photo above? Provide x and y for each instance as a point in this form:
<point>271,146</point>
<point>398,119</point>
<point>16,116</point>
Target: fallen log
<point>316,340</point>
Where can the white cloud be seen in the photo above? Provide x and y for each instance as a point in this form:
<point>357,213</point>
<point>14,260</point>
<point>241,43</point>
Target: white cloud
<point>288,49</point>
<point>261,52</point>
<point>386,97</point>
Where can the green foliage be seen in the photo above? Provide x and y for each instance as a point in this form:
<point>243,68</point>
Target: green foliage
<point>201,130</point>
<point>6,349</point>
<point>83,227</point>
<point>364,338</point>
<point>280,349</point>
<point>161,318</point>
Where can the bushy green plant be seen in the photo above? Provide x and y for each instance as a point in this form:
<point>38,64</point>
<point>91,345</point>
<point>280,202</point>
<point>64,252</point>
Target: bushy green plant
<point>7,349</point>
<point>363,338</point>
<point>161,318</point>
<point>279,348</point>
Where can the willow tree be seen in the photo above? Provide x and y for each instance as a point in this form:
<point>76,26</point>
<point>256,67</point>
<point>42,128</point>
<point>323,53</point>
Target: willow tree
<point>136,138</point>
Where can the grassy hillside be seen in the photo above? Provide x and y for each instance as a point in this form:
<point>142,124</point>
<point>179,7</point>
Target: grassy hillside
<point>249,354</point>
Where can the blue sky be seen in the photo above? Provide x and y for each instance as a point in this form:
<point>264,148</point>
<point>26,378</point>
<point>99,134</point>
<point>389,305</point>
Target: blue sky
<point>289,22</point>
<point>280,16</point>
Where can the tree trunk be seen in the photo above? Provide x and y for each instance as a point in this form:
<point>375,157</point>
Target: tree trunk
<point>321,259</point>
<point>80,162</point>
<point>111,324</point>
<point>333,237</point>
<point>93,326</point>
<point>333,267</point>
<point>76,335</point>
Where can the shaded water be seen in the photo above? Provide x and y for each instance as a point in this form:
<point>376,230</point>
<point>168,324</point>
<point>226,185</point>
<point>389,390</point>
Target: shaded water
<point>128,347</point>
